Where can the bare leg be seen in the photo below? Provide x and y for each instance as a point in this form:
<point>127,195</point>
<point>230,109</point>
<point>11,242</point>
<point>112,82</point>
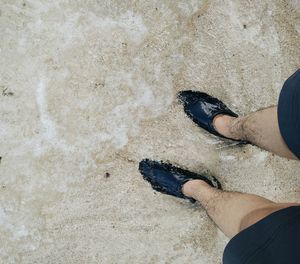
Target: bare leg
<point>260,128</point>
<point>231,211</point>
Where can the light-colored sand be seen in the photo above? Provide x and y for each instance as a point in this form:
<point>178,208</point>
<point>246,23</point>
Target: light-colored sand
<point>88,88</point>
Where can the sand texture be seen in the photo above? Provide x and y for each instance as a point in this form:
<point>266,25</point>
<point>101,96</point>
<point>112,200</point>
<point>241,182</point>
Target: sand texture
<point>88,88</point>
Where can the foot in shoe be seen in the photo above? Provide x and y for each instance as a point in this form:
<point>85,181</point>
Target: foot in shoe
<point>208,112</point>
<point>223,125</point>
<point>168,179</point>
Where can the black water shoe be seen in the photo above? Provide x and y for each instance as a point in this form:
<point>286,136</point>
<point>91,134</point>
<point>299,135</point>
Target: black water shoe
<point>168,179</point>
<point>203,108</point>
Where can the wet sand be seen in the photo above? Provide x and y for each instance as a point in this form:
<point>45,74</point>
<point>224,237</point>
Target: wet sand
<point>88,89</point>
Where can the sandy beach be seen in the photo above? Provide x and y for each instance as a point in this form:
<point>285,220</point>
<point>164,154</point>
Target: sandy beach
<point>88,89</point>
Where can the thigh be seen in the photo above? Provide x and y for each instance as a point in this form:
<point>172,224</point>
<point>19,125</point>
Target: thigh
<point>259,214</point>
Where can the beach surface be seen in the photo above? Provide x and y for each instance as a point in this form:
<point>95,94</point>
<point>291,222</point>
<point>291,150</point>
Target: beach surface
<point>88,89</point>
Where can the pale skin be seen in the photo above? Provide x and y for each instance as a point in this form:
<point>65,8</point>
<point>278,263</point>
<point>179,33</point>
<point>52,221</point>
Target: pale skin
<point>233,211</point>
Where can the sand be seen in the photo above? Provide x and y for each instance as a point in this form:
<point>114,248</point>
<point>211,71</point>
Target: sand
<point>88,88</point>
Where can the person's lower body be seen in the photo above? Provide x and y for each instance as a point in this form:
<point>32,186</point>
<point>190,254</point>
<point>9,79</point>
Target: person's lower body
<point>255,225</point>
<point>275,129</point>
<point>263,231</point>
<point>231,211</point>
<point>235,212</point>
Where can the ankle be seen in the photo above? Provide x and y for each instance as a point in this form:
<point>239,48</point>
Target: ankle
<point>192,188</point>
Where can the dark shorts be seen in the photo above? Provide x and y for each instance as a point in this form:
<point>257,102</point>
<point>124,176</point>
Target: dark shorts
<point>289,113</point>
<point>272,240</point>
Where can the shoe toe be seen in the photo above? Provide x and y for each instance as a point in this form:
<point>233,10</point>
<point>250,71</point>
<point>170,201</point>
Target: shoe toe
<point>189,97</point>
<point>186,97</point>
<point>152,171</point>
<point>146,167</point>
<point>159,175</point>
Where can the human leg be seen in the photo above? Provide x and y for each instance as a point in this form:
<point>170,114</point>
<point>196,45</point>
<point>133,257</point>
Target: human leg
<point>231,211</point>
<point>260,128</point>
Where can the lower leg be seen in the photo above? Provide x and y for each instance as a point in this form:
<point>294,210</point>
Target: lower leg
<point>231,211</point>
<point>260,128</point>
